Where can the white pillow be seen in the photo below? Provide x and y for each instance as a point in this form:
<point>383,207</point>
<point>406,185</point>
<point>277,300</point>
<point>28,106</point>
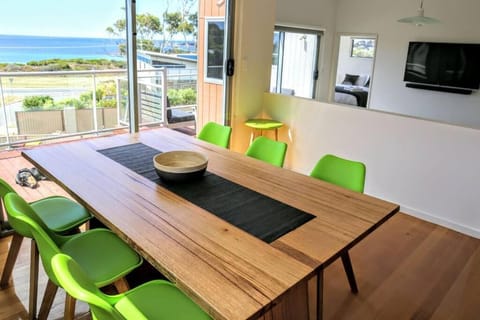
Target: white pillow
<point>362,80</point>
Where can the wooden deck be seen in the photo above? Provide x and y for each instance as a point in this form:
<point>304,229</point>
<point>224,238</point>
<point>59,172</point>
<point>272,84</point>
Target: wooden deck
<point>407,269</point>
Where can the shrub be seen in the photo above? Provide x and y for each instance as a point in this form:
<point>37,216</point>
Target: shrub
<point>107,103</point>
<point>182,96</point>
<point>37,102</point>
<point>174,97</point>
<point>72,102</point>
<point>105,96</point>
<point>189,96</point>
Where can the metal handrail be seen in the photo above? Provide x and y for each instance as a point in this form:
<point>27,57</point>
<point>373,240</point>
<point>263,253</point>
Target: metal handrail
<point>80,72</point>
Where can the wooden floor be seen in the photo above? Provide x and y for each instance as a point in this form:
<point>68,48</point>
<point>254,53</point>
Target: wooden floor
<point>407,269</point>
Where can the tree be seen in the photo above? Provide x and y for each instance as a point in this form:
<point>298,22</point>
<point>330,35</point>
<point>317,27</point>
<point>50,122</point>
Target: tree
<point>189,24</point>
<point>148,26</point>
<point>187,27</point>
<point>173,22</point>
<point>118,30</point>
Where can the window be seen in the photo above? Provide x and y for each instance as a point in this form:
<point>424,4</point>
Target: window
<point>214,42</point>
<point>363,48</point>
<point>295,61</point>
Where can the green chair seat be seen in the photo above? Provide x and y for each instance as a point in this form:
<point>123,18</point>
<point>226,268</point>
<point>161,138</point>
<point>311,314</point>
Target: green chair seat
<point>215,133</point>
<point>60,214</point>
<point>93,251</point>
<point>158,299</point>
<point>268,150</point>
<point>263,124</point>
<point>154,300</point>
<point>105,257</point>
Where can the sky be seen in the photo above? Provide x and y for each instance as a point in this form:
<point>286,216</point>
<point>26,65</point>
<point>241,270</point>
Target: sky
<point>71,18</point>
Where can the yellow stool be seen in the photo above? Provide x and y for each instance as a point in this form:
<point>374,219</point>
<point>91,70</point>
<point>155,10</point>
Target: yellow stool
<point>263,124</point>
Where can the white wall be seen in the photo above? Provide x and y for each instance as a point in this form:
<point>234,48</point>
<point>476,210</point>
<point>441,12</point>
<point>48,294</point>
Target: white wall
<point>348,64</point>
<point>253,45</point>
<point>429,168</point>
<point>460,23</point>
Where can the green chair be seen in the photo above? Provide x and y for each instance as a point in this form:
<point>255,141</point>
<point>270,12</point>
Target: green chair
<point>60,215</point>
<point>349,175</point>
<point>216,133</point>
<point>157,299</point>
<point>268,150</point>
<point>104,256</point>
<point>341,172</point>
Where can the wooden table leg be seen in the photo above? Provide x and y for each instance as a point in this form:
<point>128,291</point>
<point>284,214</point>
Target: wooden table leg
<point>320,293</point>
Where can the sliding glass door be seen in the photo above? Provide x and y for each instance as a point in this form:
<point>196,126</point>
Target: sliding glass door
<point>295,61</point>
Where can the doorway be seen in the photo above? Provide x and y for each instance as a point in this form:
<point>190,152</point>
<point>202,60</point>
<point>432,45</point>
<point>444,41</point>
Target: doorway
<point>354,73</point>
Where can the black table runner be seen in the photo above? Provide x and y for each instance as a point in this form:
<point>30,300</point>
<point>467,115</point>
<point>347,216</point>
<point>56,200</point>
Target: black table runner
<point>259,215</point>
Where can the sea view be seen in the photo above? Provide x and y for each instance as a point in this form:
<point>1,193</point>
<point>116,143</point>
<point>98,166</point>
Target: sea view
<point>22,49</point>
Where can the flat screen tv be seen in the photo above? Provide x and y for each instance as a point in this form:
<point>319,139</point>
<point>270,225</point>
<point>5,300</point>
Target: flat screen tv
<point>454,65</point>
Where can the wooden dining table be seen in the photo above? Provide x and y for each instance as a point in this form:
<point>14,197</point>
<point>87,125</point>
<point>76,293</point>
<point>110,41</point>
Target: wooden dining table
<point>227,271</point>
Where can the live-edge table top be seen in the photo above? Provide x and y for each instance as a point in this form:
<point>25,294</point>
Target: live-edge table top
<point>230,273</point>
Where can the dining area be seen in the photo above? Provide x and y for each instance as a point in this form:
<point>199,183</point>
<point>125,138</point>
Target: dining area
<point>247,240</point>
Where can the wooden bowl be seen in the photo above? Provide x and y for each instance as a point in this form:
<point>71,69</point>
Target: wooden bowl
<point>180,166</point>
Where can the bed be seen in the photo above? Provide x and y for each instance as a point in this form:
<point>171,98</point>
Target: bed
<point>353,90</point>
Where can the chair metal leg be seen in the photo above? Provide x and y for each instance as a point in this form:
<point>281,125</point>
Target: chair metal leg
<point>11,258</point>
<point>347,265</point>
<point>32,300</point>
<point>48,297</point>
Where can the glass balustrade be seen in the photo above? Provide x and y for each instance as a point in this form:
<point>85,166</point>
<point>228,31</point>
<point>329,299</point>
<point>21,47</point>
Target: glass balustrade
<point>37,107</point>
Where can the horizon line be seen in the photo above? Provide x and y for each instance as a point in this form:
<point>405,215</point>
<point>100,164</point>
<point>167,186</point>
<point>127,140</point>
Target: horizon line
<point>77,36</point>
<point>58,36</point>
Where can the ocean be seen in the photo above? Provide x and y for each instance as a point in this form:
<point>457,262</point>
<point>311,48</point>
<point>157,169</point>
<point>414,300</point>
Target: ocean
<point>22,49</point>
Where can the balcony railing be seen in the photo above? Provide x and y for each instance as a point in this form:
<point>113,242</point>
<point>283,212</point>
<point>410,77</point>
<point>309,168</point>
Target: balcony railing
<point>84,102</point>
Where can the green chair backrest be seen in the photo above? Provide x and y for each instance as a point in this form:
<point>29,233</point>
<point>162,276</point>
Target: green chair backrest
<point>25,221</point>
<point>74,280</point>
<point>341,172</point>
<point>5,188</point>
<point>268,150</point>
<point>216,133</point>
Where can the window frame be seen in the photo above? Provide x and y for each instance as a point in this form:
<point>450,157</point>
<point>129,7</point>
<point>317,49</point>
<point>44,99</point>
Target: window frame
<point>208,79</point>
<point>352,46</point>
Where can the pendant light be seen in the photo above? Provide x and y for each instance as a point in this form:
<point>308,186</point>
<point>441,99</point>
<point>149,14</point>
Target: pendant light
<point>419,19</point>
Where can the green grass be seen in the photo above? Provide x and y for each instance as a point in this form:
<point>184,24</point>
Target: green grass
<point>55,81</point>
<point>50,81</point>
<point>12,99</point>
